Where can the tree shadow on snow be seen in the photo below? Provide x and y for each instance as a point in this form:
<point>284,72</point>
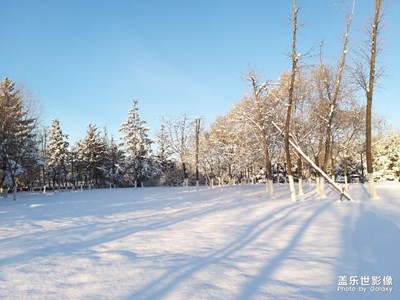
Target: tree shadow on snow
<point>55,241</point>
<point>166,283</point>
<point>372,248</point>
<point>251,288</point>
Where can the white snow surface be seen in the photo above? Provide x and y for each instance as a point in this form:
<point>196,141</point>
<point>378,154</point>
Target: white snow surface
<point>178,243</point>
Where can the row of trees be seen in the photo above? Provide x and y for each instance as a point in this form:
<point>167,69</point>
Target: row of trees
<point>312,106</point>
<point>317,110</point>
<point>98,160</point>
<point>241,146</point>
<point>35,158</point>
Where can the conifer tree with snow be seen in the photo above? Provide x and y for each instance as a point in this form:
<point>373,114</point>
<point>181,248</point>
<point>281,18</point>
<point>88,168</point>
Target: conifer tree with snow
<point>91,155</point>
<point>169,174</point>
<point>17,146</point>
<point>113,162</point>
<point>387,158</point>
<point>75,166</point>
<point>136,144</point>
<point>57,149</point>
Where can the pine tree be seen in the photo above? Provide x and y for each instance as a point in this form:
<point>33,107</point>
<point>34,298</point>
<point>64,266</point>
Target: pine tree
<point>387,157</point>
<point>57,149</point>
<point>17,146</point>
<point>91,154</point>
<point>113,162</point>
<point>136,144</point>
<point>75,166</point>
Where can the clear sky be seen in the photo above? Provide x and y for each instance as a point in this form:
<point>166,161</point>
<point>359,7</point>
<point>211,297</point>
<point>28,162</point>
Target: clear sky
<point>87,60</point>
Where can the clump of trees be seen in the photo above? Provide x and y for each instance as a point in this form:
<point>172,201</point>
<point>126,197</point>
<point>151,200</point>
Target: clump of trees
<point>33,158</point>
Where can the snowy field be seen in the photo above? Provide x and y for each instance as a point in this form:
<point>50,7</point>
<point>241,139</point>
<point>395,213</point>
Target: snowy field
<point>221,243</point>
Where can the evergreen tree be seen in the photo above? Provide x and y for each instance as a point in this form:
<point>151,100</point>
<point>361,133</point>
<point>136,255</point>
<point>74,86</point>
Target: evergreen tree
<point>113,162</point>
<point>57,149</point>
<point>91,154</point>
<point>17,147</point>
<point>168,172</point>
<point>75,166</point>
<point>136,145</point>
<point>387,158</point>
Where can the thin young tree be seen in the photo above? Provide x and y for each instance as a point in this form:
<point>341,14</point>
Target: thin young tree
<point>333,90</point>
<point>197,131</point>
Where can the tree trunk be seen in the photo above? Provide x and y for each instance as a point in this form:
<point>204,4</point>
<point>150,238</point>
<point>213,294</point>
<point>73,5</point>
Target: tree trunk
<point>345,173</point>
<point>5,192</point>
<point>197,151</point>
<point>184,174</point>
<point>290,104</point>
<point>316,168</point>
<point>268,175</point>
<point>336,92</point>
<point>369,94</point>
<point>317,177</point>
<point>300,175</point>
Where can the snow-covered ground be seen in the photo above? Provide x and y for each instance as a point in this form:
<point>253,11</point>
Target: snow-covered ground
<point>222,243</point>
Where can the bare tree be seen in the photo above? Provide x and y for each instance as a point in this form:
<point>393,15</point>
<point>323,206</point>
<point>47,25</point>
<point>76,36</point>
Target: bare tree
<point>295,59</point>
<point>366,78</point>
<point>257,111</point>
<point>179,134</point>
<point>334,93</point>
<point>351,125</point>
<point>197,130</point>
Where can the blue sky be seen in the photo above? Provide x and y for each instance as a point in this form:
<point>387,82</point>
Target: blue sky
<point>87,60</point>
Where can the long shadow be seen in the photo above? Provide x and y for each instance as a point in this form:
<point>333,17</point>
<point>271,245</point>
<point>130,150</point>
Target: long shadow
<point>371,248</point>
<point>89,203</point>
<point>121,230</point>
<point>252,287</point>
<point>166,283</point>
<point>374,248</point>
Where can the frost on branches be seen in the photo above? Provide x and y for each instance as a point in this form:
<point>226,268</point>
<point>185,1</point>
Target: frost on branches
<point>136,145</point>
<point>91,153</point>
<point>387,158</point>
<point>17,144</point>
<point>57,154</point>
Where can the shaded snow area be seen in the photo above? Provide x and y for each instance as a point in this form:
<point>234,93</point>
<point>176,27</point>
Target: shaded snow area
<point>222,243</point>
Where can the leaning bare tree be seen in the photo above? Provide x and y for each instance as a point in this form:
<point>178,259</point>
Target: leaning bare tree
<point>366,78</point>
